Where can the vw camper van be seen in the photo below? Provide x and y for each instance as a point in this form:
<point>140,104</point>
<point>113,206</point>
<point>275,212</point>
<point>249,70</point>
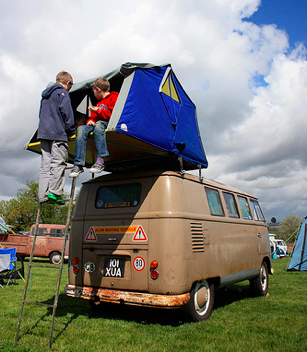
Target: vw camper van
<point>165,239</point>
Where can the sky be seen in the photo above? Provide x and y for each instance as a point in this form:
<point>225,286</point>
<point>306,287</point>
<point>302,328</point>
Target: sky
<point>242,62</point>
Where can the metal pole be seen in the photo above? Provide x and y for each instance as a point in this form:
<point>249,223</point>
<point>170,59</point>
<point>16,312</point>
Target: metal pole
<point>29,271</point>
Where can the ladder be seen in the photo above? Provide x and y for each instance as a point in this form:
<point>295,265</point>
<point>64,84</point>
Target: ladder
<point>58,267</point>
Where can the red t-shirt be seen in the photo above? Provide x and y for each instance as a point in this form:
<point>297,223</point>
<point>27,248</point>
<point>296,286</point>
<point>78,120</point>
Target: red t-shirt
<point>105,108</point>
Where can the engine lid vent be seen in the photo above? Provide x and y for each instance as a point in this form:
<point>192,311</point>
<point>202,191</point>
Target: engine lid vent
<point>198,244</point>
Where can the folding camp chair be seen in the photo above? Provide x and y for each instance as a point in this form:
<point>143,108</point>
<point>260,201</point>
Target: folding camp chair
<point>11,266</point>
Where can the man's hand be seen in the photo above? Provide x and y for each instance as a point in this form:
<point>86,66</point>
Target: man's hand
<point>90,123</point>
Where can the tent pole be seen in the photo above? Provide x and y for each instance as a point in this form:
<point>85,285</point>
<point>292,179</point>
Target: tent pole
<point>199,173</point>
<point>181,165</point>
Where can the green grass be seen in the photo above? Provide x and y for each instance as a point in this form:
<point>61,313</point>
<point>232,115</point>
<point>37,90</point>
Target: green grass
<point>239,322</point>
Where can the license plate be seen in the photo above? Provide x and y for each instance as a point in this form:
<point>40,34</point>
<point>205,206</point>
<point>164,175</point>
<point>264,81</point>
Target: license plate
<point>114,267</point>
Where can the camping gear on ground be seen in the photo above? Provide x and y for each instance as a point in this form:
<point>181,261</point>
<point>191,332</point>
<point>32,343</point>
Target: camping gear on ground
<point>11,266</point>
<point>298,260</point>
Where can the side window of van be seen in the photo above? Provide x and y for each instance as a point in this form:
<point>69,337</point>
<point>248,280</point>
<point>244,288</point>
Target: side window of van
<point>231,205</point>
<point>214,202</point>
<point>246,212</point>
<point>40,232</point>
<point>257,211</point>
<point>117,196</point>
<point>56,232</point>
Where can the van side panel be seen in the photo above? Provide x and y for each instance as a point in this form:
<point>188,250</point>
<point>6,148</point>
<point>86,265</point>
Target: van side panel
<point>195,245</point>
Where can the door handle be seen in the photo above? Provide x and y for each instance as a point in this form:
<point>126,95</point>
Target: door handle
<point>259,235</point>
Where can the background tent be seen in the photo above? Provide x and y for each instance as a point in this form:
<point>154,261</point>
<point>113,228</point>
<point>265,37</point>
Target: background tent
<point>154,121</point>
<point>298,260</point>
<point>3,227</point>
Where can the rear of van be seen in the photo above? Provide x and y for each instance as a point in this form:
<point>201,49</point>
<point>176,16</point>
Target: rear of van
<point>116,238</point>
<point>151,239</point>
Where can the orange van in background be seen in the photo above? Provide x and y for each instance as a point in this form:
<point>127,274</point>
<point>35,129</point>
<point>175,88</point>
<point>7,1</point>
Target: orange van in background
<point>49,242</point>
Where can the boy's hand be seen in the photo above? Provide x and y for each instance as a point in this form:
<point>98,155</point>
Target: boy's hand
<point>90,123</point>
<point>93,108</point>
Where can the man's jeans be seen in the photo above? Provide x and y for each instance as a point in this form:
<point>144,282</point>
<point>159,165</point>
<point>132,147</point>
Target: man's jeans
<point>52,170</point>
<point>99,137</point>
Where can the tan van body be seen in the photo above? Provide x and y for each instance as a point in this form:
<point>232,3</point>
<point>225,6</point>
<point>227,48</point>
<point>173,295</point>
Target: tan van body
<point>49,242</point>
<point>161,248</point>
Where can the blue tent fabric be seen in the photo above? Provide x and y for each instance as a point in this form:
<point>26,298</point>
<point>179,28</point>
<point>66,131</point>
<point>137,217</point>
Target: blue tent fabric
<point>298,260</point>
<point>144,115</point>
<point>160,120</point>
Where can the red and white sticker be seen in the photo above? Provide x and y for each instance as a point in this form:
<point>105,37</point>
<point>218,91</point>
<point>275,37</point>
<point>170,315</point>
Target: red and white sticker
<point>91,235</point>
<point>139,235</point>
<point>139,263</point>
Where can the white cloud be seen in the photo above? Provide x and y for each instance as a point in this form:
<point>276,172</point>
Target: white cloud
<point>253,136</point>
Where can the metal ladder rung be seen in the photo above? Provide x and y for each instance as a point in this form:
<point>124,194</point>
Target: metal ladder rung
<point>59,200</point>
<point>40,304</point>
<point>43,266</point>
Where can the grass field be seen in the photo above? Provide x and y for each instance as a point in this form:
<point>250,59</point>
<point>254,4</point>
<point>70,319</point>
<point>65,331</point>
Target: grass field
<point>239,322</point>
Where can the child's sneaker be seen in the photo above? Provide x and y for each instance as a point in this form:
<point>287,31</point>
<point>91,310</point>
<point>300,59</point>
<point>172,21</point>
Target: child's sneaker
<point>76,171</point>
<point>56,198</point>
<point>97,167</point>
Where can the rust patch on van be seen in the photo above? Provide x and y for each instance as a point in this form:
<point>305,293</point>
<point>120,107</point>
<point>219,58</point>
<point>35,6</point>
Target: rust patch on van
<point>134,298</point>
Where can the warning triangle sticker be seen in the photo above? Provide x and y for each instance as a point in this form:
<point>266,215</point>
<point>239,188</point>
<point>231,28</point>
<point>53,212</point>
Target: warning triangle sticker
<point>91,236</point>
<point>140,234</point>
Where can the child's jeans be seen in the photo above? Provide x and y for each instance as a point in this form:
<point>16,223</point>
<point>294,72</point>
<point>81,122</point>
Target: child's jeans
<point>99,137</point>
<point>52,170</point>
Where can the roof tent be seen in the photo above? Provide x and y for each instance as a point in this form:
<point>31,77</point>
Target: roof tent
<point>298,260</point>
<point>153,123</point>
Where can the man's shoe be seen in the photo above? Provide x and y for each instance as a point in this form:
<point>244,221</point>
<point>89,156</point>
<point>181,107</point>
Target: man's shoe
<point>76,171</point>
<point>56,198</point>
<point>97,167</point>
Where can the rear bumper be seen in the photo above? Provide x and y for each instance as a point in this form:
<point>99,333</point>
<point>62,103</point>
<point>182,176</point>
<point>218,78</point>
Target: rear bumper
<point>127,297</point>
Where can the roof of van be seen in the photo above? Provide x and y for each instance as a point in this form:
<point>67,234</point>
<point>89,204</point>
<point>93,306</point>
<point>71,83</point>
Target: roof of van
<point>132,175</point>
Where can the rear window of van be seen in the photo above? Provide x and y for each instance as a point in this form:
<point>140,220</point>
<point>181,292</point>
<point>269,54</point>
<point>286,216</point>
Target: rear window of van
<point>118,196</point>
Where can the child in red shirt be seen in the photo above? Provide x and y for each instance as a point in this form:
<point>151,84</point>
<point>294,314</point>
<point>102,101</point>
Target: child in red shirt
<point>96,123</point>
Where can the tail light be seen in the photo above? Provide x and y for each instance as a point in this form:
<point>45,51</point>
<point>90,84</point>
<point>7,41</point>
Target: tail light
<point>154,264</point>
<point>154,273</point>
<point>75,262</point>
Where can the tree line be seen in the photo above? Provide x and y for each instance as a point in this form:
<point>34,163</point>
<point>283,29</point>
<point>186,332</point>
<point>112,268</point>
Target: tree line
<point>289,228</point>
<point>20,211</point>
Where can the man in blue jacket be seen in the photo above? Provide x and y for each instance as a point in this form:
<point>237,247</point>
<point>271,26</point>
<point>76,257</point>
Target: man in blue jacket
<point>56,125</point>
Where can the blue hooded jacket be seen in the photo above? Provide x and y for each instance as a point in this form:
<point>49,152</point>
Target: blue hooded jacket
<point>56,117</point>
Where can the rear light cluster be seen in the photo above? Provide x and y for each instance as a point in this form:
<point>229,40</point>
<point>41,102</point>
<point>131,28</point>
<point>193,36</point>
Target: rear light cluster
<point>154,273</point>
<point>75,262</point>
